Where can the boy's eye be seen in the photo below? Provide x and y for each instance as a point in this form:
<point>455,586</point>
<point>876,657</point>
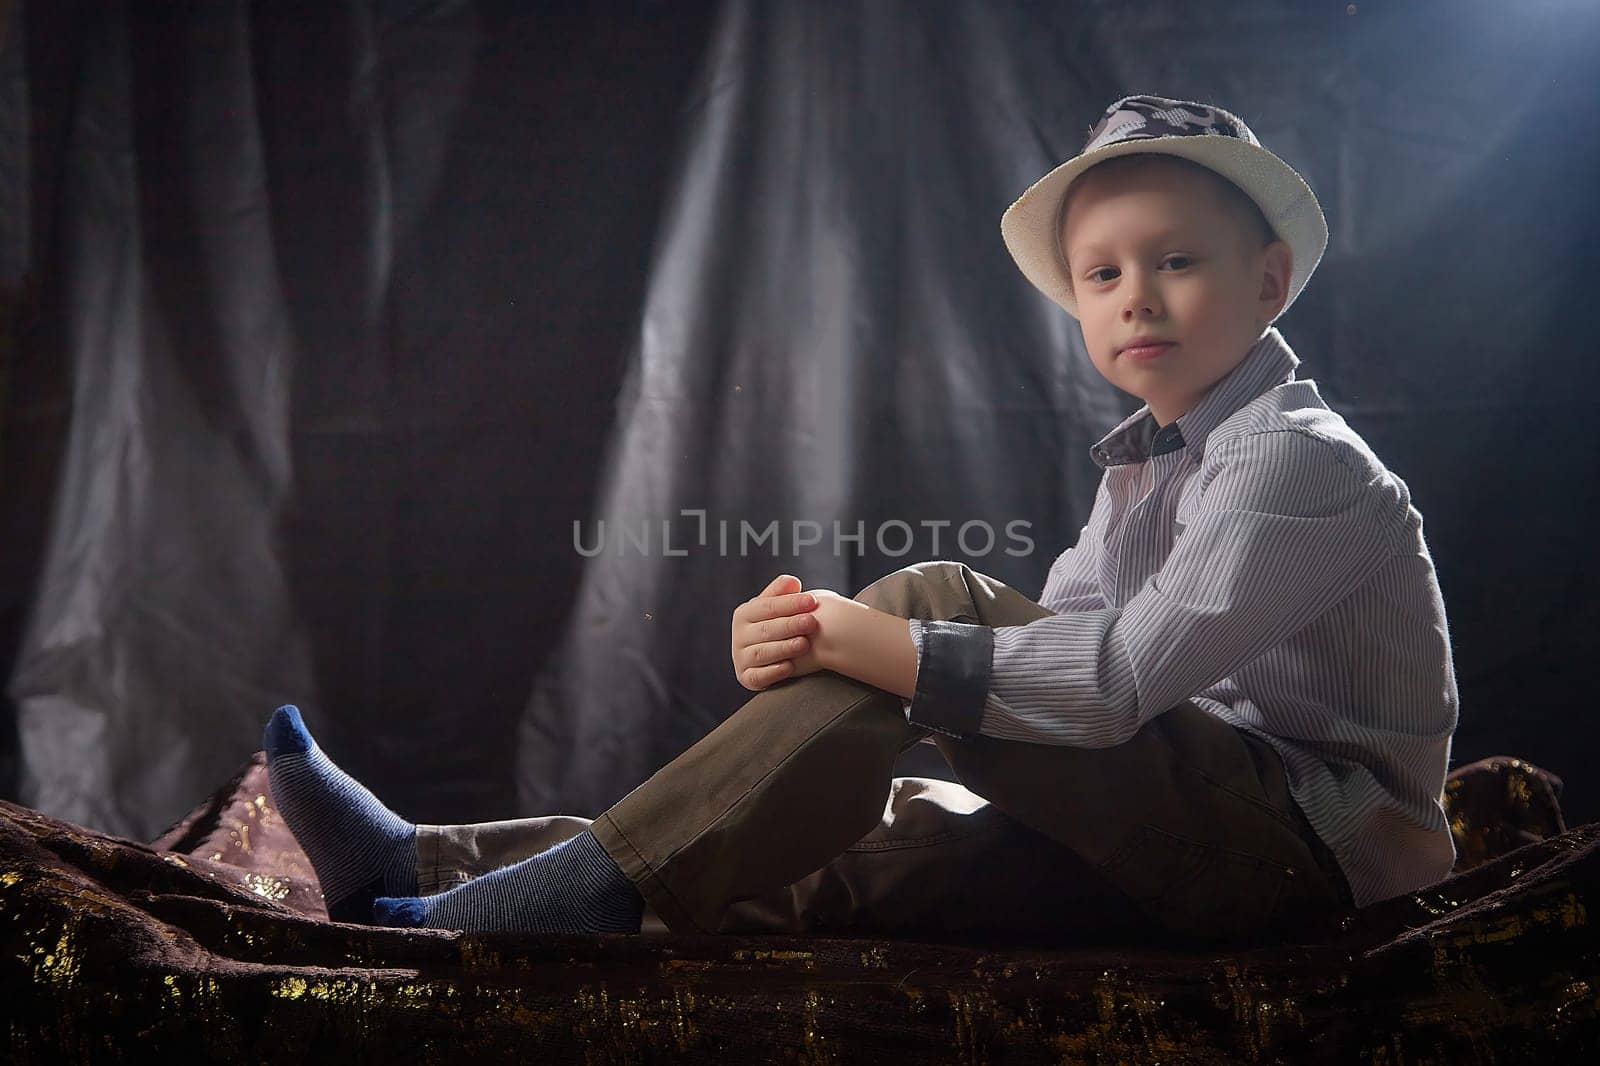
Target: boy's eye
<point>1178,262</point>
<point>1103,274</point>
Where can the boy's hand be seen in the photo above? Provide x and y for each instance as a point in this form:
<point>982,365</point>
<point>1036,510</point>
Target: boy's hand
<point>861,642</point>
<point>771,634</point>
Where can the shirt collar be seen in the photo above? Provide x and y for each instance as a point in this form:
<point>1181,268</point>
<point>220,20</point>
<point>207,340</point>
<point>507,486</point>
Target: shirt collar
<point>1269,362</point>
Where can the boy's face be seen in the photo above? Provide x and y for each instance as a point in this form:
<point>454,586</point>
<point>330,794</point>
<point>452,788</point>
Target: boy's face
<point>1156,251</point>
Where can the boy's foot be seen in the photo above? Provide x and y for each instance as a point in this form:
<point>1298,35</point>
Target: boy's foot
<point>360,849</point>
<point>574,887</point>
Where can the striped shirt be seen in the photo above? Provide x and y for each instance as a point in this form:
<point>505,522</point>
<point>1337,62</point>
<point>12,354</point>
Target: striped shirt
<point>1256,557</point>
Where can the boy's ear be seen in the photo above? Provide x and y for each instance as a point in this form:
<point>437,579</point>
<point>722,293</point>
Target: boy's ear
<point>1277,266</point>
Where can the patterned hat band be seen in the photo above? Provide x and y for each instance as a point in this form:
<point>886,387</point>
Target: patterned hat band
<point>1140,117</point>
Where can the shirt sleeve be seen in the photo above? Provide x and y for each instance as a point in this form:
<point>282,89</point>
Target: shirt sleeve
<point>949,697</point>
<point>1284,529</point>
<point>952,675</point>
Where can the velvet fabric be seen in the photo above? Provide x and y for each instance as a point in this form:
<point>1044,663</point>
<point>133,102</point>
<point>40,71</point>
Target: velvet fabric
<point>211,943</point>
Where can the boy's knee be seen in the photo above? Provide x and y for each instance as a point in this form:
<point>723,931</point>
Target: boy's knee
<point>908,591</point>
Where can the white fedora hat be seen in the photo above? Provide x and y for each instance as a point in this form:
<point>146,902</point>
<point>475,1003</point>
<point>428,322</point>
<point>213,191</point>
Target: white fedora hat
<point>1201,133</point>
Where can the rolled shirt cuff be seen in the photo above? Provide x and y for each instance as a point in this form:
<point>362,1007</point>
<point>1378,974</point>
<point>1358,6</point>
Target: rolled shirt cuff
<point>954,660</point>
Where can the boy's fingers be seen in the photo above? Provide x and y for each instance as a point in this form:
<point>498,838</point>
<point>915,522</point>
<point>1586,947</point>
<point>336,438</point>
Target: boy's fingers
<point>779,628</point>
<point>755,608</point>
<point>757,678</point>
<point>781,584</point>
<point>775,651</point>
<point>766,607</point>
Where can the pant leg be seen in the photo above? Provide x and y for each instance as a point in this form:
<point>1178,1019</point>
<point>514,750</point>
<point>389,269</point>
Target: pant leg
<point>451,855</point>
<point>791,780</point>
<point>942,863</point>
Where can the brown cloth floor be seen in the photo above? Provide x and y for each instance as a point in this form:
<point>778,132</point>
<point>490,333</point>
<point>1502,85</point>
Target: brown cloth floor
<point>212,944</point>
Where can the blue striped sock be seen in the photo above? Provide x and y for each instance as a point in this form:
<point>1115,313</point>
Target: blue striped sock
<point>574,887</point>
<point>359,848</point>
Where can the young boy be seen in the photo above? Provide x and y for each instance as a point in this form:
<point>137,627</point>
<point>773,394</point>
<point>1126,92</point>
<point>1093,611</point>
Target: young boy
<point>1229,714</point>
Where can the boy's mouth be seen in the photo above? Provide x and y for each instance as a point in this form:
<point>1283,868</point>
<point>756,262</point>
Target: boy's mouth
<point>1145,348</point>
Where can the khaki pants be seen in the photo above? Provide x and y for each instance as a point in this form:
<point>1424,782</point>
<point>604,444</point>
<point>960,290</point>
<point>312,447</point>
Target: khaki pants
<point>786,819</point>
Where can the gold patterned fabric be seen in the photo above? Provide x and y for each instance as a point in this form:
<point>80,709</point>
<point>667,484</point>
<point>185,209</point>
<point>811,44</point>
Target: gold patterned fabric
<point>1499,804</point>
<point>212,944</point>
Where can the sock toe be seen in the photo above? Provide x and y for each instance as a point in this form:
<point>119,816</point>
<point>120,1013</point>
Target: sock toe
<point>286,734</point>
<point>399,912</point>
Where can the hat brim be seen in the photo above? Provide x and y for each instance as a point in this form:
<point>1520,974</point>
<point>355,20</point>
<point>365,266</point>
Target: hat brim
<point>1029,226</point>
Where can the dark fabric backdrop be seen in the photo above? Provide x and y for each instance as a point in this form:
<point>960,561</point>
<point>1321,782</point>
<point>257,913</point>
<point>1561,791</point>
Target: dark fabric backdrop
<point>325,323</point>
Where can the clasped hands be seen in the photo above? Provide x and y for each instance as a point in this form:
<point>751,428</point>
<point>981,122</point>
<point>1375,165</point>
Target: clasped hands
<point>784,633</point>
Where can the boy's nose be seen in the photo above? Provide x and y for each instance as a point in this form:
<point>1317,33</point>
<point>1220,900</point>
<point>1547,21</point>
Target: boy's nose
<point>1141,300</point>
<point>1141,306</point>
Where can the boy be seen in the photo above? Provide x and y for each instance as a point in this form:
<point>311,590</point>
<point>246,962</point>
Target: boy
<point>1229,714</point>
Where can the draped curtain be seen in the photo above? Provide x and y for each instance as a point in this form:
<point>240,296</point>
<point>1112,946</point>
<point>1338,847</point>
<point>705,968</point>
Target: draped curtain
<point>453,369</point>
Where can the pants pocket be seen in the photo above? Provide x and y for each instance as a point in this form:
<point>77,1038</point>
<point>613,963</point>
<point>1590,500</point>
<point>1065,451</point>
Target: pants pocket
<point>1202,890</point>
